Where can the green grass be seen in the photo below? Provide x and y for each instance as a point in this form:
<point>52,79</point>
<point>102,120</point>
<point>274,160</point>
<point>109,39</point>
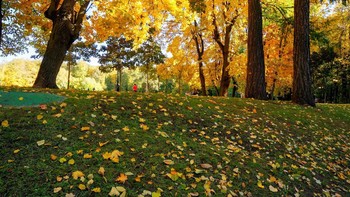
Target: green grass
<point>258,148</point>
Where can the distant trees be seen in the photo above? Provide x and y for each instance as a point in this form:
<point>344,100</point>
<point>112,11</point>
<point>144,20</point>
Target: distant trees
<point>118,53</point>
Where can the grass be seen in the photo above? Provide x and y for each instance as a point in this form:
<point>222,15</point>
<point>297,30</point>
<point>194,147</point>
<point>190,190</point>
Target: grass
<point>174,146</point>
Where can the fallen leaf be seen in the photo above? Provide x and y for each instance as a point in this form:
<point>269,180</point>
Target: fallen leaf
<point>87,156</point>
<point>70,195</point>
<point>206,166</point>
<point>57,189</point>
<point>82,187</point>
<point>85,129</point>
<point>114,192</point>
<point>273,189</point>
<point>96,190</point>
<point>53,157</point>
<point>102,143</point>
<point>40,143</point>
<point>168,162</point>
<point>260,185</point>
<point>16,151</point>
<point>21,98</point>
<point>71,162</point>
<point>122,178</point>
<point>39,117</point>
<point>62,160</point>
<point>77,174</point>
<point>5,123</point>
<point>101,171</point>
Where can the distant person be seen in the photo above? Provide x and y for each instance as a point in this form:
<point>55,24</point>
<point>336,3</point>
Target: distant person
<point>134,87</point>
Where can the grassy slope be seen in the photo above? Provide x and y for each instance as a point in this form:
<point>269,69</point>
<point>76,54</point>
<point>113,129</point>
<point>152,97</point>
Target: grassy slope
<point>219,146</point>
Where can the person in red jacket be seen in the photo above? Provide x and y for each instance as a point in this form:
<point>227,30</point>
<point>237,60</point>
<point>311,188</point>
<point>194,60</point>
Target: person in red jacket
<point>134,88</point>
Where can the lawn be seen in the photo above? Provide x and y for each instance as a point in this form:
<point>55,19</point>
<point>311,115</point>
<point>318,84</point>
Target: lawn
<point>135,144</point>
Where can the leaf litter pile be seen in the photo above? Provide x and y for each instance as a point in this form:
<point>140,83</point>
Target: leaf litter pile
<point>133,144</point>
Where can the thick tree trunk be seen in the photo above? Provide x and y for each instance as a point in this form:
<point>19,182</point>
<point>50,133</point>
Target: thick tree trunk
<point>255,81</point>
<point>302,93</point>
<point>65,30</point>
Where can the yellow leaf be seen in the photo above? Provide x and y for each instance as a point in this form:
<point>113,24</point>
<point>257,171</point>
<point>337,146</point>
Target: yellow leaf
<point>168,162</point>
<point>53,157</point>
<point>39,117</point>
<point>57,115</point>
<point>273,189</point>
<point>138,178</point>
<point>87,156</point>
<point>114,192</point>
<point>272,179</point>
<point>122,178</point>
<point>59,179</point>
<point>85,129</point>
<point>63,105</point>
<point>77,174</point>
<point>44,121</point>
<point>142,120</point>
<point>82,187</point>
<point>21,98</point>
<point>57,189</point>
<point>16,151</point>
<point>96,190</point>
<point>260,184</point>
<point>62,160</point>
<point>106,155</point>
<point>71,162</point>
<point>126,128</point>
<point>5,123</point>
<point>101,171</point>
<point>40,143</point>
<point>102,143</point>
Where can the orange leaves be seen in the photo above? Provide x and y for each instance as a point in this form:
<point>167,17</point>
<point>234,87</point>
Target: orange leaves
<point>77,174</point>
<point>114,156</point>
<point>174,175</point>
<point>122,178</point>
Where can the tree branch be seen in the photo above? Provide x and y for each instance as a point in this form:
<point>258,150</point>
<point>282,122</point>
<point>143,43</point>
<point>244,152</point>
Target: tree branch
<point>50,13</point>
<point>80,17</point>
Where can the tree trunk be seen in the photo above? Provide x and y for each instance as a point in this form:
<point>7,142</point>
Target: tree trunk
<point>200,51</point>
<point>1,17</point>
<point>65,30</point>
<point>255,81</point>
<point>69,70</point>
<point>224,44</point>
<point>225,76</point>
<point>302,93</point>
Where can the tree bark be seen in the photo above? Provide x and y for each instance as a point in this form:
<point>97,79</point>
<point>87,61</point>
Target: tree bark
<point>255,81</point>
<point>302,93</point>
<point>1,17</point>
<point>65,30</point>
<point>197,36</point>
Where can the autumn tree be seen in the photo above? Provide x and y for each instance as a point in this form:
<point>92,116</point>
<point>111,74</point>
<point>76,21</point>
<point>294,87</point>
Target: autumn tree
<point>302,93</point>
<point>255,85</point>
<point>67,22</point>
<point>229,14</point>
